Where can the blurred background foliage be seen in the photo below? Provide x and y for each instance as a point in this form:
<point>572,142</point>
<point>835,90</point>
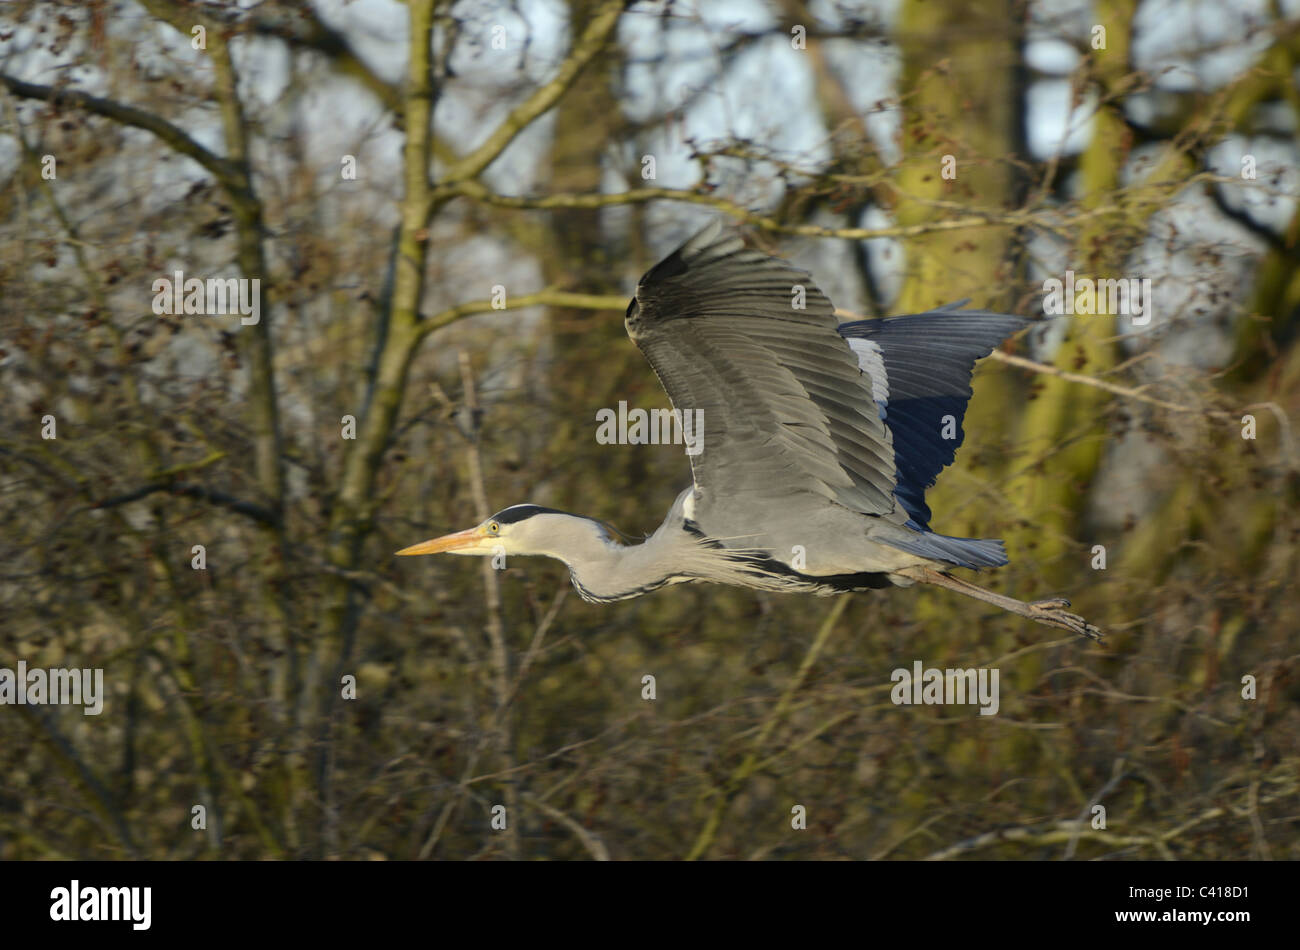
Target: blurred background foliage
<point>570,146</point>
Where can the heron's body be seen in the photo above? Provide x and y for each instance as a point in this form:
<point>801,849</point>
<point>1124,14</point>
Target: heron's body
<point>605,570</point>
<point>819,441</point>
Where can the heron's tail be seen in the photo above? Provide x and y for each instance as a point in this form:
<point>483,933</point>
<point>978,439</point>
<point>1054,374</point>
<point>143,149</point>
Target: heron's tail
<point>962,552</point>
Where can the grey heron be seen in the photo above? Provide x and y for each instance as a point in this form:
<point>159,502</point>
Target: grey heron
<point>822,438</point>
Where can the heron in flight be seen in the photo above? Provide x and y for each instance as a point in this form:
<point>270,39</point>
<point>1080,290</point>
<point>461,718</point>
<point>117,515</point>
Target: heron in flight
<point>822,440</point>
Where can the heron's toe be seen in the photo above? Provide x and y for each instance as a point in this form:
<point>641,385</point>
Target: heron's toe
<point>1051,612</point>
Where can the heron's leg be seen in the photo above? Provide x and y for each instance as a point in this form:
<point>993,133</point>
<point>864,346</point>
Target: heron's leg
<point>1051,612</point>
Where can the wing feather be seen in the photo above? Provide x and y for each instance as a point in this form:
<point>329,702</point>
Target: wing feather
<point>786,408</point>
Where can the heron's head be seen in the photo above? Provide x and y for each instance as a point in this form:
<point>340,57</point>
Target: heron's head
<point>519,529</point>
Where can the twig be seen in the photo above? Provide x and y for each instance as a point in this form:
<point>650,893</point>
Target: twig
<point>492,599</point>
<point>221,499</point>
<point>732,786</point>
<point>599,29</point>
<point>222,169</point>
<point>1117,775</point>
<point>589,839</point>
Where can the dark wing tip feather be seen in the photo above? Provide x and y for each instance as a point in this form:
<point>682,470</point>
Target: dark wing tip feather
<point>928,359</point>
<point>704,246</point>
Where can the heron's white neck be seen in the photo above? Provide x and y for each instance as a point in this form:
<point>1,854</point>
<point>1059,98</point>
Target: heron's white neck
<point>602,569</point>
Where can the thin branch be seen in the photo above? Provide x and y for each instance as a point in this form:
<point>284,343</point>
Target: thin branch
<point>495,625</point>
<point>591,841</point>
<point>593,39</point>
<point>1125,391</point>
<point>199,492</point>
<point>223,170</point>
<point>1152,193</point>
<point>732,786</point>
<point>543,298</point>
<point>1060,832</point>
<point>1118,774</point>
<point>306,30</point>
<point>102,801</point>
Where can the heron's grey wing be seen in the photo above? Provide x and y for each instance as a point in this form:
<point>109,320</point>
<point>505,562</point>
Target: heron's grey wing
<point>752,343</point>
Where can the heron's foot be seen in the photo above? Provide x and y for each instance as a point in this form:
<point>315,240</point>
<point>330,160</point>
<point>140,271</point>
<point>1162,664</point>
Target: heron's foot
<point>1052,612</point>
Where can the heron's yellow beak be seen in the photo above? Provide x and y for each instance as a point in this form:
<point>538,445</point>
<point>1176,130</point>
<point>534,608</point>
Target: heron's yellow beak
<point>448,542</point>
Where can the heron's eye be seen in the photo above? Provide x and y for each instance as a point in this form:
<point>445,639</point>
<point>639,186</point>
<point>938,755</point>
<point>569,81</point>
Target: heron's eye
<point>494,528</point>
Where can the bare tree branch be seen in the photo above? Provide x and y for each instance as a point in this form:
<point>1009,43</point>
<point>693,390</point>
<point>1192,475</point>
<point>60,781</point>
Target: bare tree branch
<point>592,40</point>
<point>224,170</point>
